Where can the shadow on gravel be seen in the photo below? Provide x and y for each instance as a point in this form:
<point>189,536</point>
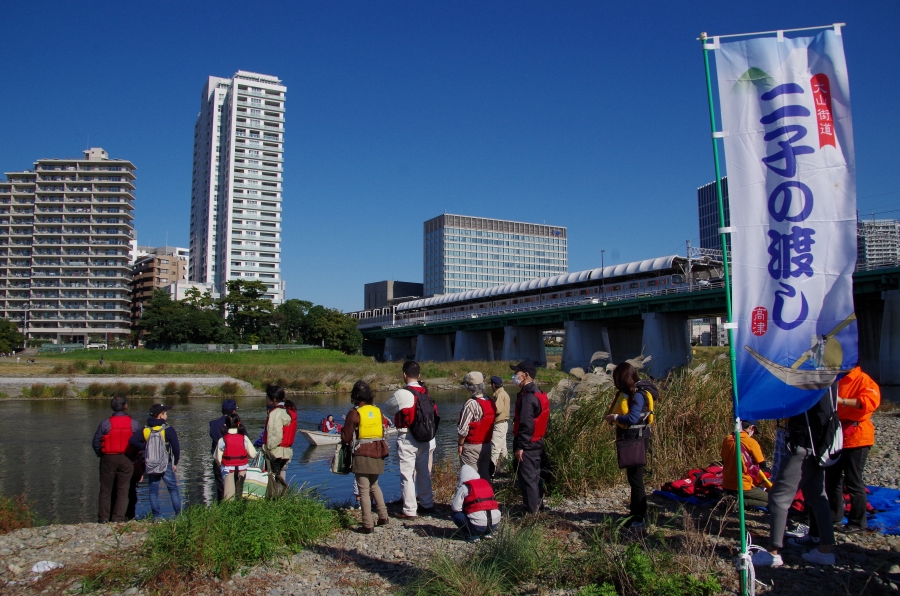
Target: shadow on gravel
<point>392,571</point>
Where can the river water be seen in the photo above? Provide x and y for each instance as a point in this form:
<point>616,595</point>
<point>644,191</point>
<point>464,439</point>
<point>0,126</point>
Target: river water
<point>45,449</point>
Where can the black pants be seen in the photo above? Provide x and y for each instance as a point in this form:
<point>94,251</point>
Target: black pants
<point>638,505</point>
<point>529,473</point>
<point>220,481</point>
<point>848,471</point>
<point>136,475</point>
<point>115,472</point>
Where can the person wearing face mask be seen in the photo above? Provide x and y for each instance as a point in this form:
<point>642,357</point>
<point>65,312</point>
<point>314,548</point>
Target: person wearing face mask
<point>532,413</point>
<point>751,476</point>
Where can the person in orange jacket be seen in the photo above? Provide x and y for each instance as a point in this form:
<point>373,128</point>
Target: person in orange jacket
<point>858,398</point>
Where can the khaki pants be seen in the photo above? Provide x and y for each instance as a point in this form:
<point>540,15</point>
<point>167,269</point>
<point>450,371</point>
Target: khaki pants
<point>234,482</point>
<point>478,456</point>
<point>498,441</point>
<point>368,488</point>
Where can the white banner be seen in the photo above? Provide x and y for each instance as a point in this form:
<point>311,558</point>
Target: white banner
<point>785,106</point>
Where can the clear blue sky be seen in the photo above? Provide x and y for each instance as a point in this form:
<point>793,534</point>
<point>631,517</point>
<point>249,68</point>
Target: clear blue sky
<point>586,115</point>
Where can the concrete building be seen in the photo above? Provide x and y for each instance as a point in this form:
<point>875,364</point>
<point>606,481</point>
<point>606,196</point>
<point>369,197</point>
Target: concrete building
<point>708,206</point>
<point>877,243</point>
<point>143,251</point>
<point>161,267</point>
<point>65,233</point>
<point>179,289</point>
<point>237,183</point>
<point>387,293</point>
<point>465,253</point>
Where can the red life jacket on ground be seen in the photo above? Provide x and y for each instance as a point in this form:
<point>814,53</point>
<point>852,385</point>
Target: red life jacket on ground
<point>482,431</point>
<point>288,433</point>
<point>540,422</point>
<point>404,418</point>
<point>480,497</point>
<point>115,442</point>
<point>235,453</point>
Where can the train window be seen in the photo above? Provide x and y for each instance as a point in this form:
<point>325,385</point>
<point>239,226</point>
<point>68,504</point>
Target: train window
<point>569,294</point>
<point>583,292</point>
<point>554,296</point>
<point>515,301</point>
<point>651,282</point>
<point>633,285</point>
<point>664,281</point>
<point>677,279</point>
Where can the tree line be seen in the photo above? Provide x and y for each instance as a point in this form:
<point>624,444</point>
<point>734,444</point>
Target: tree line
<point>245,316</point>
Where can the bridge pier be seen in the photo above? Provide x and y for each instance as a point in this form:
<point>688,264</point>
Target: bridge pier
<point>889,357</point>
<point>398,348</point>
<point>667,338</point>
<point>435,348</point>
<point>474,345</point>
<point>583,338</point>
<point>520,343</point>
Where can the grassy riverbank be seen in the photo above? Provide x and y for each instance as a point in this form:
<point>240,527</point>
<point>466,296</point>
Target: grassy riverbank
<point>298,370</point>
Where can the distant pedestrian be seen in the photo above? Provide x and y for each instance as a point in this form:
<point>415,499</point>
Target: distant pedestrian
<point>474,506</point>
<point>364,432</point>
<point>280,432</point>
<point>101,360</point>
<point>476,426</point>
<point>415,478</point>
<point>216,430</point>
<point>501,422</point>
<point>111,444</point>
<point>234,450</point>
<point>162,451</point>
<point>532,415</point>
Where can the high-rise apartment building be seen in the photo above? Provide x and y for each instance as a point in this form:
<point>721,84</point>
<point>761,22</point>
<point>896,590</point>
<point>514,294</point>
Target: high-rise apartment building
<point>877,243</point>
<point>65,234</point>
<point>237,182</point>
<point>708,205</point>
<point>464,253</point>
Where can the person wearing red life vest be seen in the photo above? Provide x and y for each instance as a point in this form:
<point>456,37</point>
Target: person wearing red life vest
<point>474,506</point>
<point>110,443</point>
<point>233,454</point>
<point>476,426</point>
<point>415,477</point>
<point>280,431</point>
<point>532,414</point>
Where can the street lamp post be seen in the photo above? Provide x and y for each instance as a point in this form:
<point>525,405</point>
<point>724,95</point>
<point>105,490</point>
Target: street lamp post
<point>602,275</point>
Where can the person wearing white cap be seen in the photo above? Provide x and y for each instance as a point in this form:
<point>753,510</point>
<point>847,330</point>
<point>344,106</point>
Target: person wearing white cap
<point>476,426</point>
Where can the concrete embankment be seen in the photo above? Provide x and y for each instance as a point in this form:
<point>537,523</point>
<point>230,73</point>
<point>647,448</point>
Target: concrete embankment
<point>200,384</point>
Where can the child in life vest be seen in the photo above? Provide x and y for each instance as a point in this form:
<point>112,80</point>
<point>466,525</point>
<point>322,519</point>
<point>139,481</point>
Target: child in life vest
<point>330,426</point>
<point>474,506</point>
<point>233,452</point>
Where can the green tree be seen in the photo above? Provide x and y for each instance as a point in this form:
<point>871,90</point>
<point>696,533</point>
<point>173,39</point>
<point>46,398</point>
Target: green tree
<point>288,319</point>
<point>331,328</point>
<point>248,312</point>
<point>166,321</point>
<point>10,336</point>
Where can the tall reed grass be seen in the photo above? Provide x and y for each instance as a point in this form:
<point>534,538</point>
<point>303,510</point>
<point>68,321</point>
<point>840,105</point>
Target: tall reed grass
<point>16,513</point>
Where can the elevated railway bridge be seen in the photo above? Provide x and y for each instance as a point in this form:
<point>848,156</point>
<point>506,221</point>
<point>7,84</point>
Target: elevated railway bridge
<point>624,310</point>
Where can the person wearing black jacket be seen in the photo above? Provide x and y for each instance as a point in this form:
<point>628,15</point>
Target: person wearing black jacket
<point>807,437</point>
<point>528,437</point>
<point>216,430</point>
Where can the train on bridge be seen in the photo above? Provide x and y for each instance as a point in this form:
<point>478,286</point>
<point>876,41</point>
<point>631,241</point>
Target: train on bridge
<point>663,275</point>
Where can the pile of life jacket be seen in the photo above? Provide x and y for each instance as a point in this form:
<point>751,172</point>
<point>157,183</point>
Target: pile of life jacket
<point>703,483</point>
<point>799,506</point>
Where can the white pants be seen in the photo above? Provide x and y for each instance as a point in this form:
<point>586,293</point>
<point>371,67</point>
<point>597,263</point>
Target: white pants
<point>498,441</point>
<point>414,474</point>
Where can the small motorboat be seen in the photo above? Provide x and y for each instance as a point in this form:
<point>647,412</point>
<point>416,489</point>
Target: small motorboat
<point>316,438</point>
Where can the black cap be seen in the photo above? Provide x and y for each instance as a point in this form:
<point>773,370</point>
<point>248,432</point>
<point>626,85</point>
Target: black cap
<point>526,366</point>
<point>229,405</point>
<point>157,409</point>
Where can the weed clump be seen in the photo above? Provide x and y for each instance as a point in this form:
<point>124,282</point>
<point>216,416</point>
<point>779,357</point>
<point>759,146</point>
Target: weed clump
<point>185,389</point>
<point>16,513</point>
<point>170,388</point>
<point>230,388</point>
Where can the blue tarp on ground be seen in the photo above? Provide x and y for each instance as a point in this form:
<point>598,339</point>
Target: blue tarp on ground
<point>886,501</point>
<point>682,499</point>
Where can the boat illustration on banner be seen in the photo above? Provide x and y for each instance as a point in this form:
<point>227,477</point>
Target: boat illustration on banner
<point>826,352</point>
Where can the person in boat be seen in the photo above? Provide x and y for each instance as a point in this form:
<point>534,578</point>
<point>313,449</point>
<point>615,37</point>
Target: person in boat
<point>364,433</point>
<point>280,431</point>
<point>234,450</point>
<point>476,426</point>
<point>216,431</point>
<point>532,414</point>
<point>329,426</point>
<point>474,506</point>
<point>752,476</point>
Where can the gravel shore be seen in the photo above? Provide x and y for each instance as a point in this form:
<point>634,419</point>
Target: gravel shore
<point>380,563</point>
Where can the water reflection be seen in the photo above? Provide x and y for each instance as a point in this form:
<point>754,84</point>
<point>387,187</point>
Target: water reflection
<point>45,450</point>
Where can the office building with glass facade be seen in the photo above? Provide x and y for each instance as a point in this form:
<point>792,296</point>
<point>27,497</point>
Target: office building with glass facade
<point>465,253</point>
<point>708,206</point>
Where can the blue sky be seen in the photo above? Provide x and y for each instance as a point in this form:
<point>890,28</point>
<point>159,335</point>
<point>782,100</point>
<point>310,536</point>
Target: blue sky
<point>586,115</point>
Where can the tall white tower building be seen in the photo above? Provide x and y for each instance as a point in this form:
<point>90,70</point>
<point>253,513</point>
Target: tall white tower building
<point>237,183</point>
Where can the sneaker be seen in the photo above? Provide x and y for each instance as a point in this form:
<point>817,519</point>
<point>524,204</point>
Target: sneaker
<point>635,523</point>
<point>474,538</point>
<point>763,558</point>
<point>848,529</point>
<point>806,541</point>
<point>814,556</point>
<point>488,536</point>
<point>799,531</point>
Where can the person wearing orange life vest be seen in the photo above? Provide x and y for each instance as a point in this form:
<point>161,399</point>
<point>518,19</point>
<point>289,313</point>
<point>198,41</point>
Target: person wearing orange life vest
<point>754,495</point>
<point>280,431</point>
<point>476,426</point>
<point>110,443</point>
<point>532,414</point>
<point>474,506</point>
<point>233,454</point>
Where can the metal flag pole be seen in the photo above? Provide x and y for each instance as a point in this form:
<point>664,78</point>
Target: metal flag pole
<point>716,135</point>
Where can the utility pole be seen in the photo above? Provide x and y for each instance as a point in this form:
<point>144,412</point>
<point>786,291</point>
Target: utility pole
<point>602,275</point>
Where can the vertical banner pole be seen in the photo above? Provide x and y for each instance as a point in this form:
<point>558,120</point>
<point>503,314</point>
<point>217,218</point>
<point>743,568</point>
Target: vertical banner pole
<point>734,390</point>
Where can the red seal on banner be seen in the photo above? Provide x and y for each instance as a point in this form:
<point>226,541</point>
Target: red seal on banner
<point>759,321</point>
